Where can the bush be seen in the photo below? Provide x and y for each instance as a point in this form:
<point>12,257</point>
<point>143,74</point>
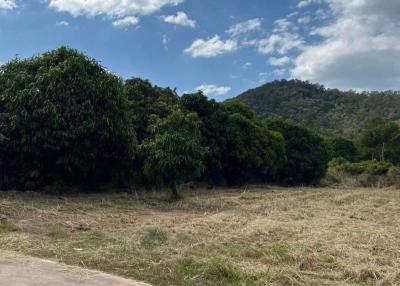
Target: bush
<point>365,167</point>
<point>362,174</point>
<point>67,120</point>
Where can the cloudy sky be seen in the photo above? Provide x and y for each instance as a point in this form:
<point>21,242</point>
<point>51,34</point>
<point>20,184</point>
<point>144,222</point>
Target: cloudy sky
<point>222,47</point>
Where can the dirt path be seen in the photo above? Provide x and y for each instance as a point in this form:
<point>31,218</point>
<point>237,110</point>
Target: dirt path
<point>17,270</point>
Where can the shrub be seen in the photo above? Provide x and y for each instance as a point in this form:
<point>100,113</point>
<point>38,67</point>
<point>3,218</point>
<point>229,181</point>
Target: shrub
<point>365,167</point>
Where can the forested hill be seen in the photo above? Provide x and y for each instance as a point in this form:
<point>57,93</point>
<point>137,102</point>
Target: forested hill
<point>327,111</point>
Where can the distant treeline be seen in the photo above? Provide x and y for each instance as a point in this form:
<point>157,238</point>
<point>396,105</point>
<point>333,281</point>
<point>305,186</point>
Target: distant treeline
<point>67,121</point>
<point>327,111</point>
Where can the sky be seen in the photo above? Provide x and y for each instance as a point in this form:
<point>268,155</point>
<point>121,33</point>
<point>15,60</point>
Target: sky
<point>222,47</point>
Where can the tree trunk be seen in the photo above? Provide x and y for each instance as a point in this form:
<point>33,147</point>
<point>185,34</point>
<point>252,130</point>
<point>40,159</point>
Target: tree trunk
<point>174,193</point>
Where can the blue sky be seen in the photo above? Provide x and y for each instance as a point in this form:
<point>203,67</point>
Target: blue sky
<point>223,47</point>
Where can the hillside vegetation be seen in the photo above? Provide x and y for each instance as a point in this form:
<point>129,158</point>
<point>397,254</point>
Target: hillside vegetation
<point>327,111</point>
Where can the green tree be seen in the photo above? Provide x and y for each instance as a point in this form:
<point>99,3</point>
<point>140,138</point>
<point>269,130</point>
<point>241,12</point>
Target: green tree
<point>68,120</point>
<point>254,153</point>
<point>307,158</point>
<point>147,100</point>
<point>339,147</point>
<point>380,141</point>
<point>174,153</point>
<point>213,120</point>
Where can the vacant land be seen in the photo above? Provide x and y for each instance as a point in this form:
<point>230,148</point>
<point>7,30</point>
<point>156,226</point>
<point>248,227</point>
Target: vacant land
<point>258,236</point>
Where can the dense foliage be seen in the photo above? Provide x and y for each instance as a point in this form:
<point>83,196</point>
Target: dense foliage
<point>65,119</point>
<point>380,140</point>
<point>253,152</point>
<point>339,147</point>
<point>174,153</point>
<point>306,154</point>
<point>326,111</point>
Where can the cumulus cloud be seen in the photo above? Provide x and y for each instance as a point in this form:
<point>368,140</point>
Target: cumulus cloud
<point>211,48</point>
<point>111,8</point>
<point>181,18</point>
<point>279,61</point>
<point>282,25</point>
<point>211,89</point>
<point>245,27</point>
<point>360,49</point>
<point>7,4</point>
<point>280,43</point>
<point>126,22</point>
<point>304,20</point>
<point>305,3</point>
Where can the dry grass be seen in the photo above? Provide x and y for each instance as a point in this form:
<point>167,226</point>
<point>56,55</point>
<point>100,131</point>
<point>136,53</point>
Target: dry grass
<point>264,236</point>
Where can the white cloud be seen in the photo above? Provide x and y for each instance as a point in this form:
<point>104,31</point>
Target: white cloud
<point>360,49</point>
<point>211,48</point>
<point>180,19</point>
<point>211,89</point>
<point>280,43</point>
<point>62,24</point>
<point>110,8</point>
<point>245,27</point>
<point>8,4</point>
<point>305,3</point>
<point>126,22</point>
<point>282,25</point>
<point>279,61</point>
<point>247,65</point>
<point>304,20</point>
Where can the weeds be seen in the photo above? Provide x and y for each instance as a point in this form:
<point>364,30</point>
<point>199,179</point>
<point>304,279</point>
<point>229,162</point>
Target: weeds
<point>264,237</point>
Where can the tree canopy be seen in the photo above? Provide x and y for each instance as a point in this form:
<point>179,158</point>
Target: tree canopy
<point>307,157</point>
<point>174,153</point>
<point>67,119</point>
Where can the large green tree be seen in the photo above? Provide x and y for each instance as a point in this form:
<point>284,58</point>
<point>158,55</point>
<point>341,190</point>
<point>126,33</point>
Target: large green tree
<point>67,119</point>
<point>147,100</point>
<point>339,147</point>
<point>307,158</point>
<point>173,153</point>
<point>253,153</point>
<point>213,120</point>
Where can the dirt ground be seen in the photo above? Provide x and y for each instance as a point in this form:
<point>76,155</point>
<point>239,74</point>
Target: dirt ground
<point>254,236</point>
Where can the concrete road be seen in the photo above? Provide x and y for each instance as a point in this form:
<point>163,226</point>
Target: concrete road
<point>16,270</point>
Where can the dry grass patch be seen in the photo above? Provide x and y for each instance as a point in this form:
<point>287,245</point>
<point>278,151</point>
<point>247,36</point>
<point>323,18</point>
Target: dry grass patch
<point>260,236</point>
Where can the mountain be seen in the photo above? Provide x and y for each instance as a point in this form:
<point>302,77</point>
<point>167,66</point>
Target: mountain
<point>327,111</point>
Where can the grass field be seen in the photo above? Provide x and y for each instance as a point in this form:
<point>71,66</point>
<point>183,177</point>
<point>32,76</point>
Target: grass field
<point>258,236</point>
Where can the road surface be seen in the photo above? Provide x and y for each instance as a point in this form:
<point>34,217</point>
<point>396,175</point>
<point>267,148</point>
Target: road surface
<point>17,270</point>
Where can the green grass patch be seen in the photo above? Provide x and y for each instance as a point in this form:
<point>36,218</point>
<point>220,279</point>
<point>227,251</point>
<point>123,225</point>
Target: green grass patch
<point>154,237</point>
<point>215,272</point>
